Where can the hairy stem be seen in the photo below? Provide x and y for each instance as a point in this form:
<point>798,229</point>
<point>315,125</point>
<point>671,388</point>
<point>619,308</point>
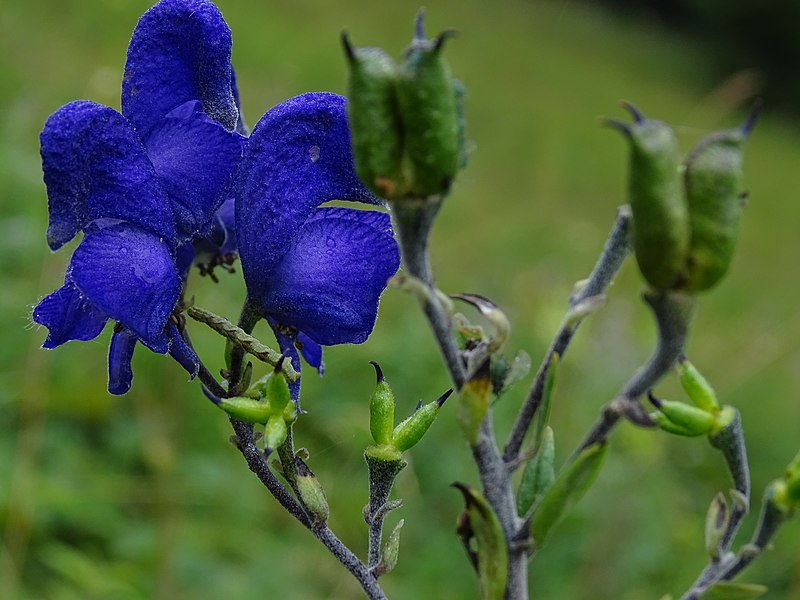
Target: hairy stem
<point>616,249</point>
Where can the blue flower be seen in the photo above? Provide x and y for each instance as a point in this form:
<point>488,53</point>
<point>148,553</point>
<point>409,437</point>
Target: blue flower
<point>315,273</point>
<point>142,185</point>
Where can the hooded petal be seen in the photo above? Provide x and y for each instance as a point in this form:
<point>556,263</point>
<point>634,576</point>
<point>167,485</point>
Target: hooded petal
<point>95,167</point>
<point>297,158</point>
<point>182,352</point>
<point>120,354</point>
<point>194,158</point>
<point>129,274</point>
<point>68,315</point>
<point>328,284</point>
<point>179,51</point>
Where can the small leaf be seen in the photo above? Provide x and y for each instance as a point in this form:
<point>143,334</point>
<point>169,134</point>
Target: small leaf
<point>716,524</point>
<point>483,539</point>
<point>391,551</point>
<point>725,590</point>
<point>543,413</point>
<point>538,475</point>
<point>473,402</point>
<point>568,488</point>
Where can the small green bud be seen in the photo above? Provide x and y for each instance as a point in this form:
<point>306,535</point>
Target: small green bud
<point>715,192</point>
<point>246,409</point>
<point>569,487</point>
<point>693,420</point>
<point>427,97</point>
<point>473,402</point>
<point>538,475</point>
<point>662,422</point>
<point>391,551</point>
<point>381,409</point>
<point>275,431</point>
<point>311,493</point>
<point>277,389</point>
<point>660,213</point>
<point>375,125</point>
<point>716,525</point>
<point>697,387</point>
<point>482,537</point>
<point>410,431</point>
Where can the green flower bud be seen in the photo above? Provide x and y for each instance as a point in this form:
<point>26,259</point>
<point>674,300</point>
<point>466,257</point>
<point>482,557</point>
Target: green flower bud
<point>697,387</point>
<point>568,488</point>
<point>275,431</point>
<point>715,192</point>
<point>473,402</point>
<point>482,536</point>
<point>660,214</point>
<point>381,409</point>
<point>693,420</point>
<point>538,475</point>
<point>427,97</point>
<point>410,431</point>
<point>246,409</point>
<point>311,493</point>
<point>375,125</point>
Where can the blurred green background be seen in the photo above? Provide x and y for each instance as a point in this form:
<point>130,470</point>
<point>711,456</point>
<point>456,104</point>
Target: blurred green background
<point>143,497</point>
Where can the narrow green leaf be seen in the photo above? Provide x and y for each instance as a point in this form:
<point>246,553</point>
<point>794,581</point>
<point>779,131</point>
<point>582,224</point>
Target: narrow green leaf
<point>725,590</point>
<point>538,475</point>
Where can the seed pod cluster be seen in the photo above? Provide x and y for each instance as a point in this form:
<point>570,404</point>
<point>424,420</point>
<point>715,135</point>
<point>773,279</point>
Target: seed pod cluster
<point>685,214</point>
<point>406,120</point>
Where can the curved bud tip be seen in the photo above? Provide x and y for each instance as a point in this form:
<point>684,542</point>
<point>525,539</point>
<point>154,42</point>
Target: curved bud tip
<point>279,364</point>
<point>419,405</point>
<point>349,51</point>
<point>653,400</point>
<point>419,25</point>
<point>636,114</point>
<point>378,372</point>
<point>751,119</point>
<point>443,398</point>
<point>442,38</point>
<point>623,128</point>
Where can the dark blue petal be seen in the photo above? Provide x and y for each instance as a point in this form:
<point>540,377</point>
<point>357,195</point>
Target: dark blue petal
<point>311,352</point>
<point>184,257</point>
<point>180,51</point>
<point>120,353</point>
<point>183,352</point>
<point>68,315</point>
<point>286,345</point>
<point>241,126</point>
<point>194,158</point>
<point>297,158</point>
<point>129,274</point>
<point>95,167</point>
<point>329,282</point>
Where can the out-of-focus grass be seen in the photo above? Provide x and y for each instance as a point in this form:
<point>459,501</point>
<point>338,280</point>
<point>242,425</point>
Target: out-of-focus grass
<point>142,497</point>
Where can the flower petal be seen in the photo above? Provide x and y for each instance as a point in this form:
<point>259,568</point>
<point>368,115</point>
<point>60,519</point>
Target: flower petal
<point>194,158</point>
<point>68,315</point>
<point>120,354</point>
<point>287,348</point>
<point>329,282</point>
<point>179,51</point>
<point>182,352</point>
<point>95,167</point>
<point>129,274</point>
<point>297,158</point>
<point>311,351</point>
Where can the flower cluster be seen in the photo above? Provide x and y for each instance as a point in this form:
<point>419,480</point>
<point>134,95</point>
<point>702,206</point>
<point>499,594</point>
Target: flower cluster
<point>164,182</point>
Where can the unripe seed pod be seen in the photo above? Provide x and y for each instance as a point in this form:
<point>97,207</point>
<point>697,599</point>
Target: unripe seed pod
<point>715,196</point>
<point>427,97</point>
<point>660,214</point>
<point>410,431</point>
<point>277,390</point>
<point>275,432</point>
<point>694,420</point>
<point>697,387</point>
<point>375,125</point>
<point>381,409</point>
<point>311,492</point>
<point>246,409</point>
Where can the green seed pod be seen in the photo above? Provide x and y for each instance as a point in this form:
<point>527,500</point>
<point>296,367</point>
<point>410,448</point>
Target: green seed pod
<point>664,424</point>
<point>246,409</point>
<point>697,387</point>
<point>311,493</point>
<point>410,431</point>
<point>660,214</point>
<point>375,125</point>
<point>427,97</point>
<point>538,475</point>
<point>275,431</point>
<point>277,389</point>
<point>568,488</point>
<point>715,193</point>
<point>695,421</point>
<point>381,409</point>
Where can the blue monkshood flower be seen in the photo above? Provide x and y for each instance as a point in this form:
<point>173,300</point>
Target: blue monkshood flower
<point>142,185</point>
<point>315,273</point>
